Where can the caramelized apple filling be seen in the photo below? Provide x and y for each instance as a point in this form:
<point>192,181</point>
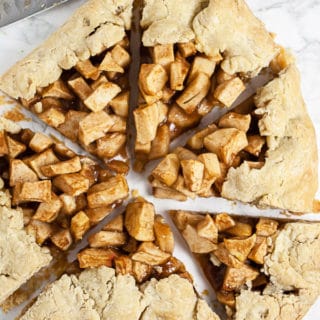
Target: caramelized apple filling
<point>178,86</point>
<point>89,104</point>
<point>201,167</point>
<point>138,242</point>
<point>230,249</point>
<point>62,194</point>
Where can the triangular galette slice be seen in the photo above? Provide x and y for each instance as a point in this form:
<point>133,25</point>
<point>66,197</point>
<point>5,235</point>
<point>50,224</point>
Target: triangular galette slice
<point>262,152</point>
<point>137,242</point>
<point>61,194</point>
<point>130,273</point>
<point>261,268</point>
<point>196,55</point>
<point>77,80</point>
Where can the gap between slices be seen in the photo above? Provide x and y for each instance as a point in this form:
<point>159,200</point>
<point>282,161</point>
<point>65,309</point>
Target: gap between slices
<point>130,273</point>
<point>255,153</point>
<point>257,266</point>
<point>189,68</point>
<point>86,95</point>
<point>54,197</point>
<point>61,194</point>
<point>95,93</point>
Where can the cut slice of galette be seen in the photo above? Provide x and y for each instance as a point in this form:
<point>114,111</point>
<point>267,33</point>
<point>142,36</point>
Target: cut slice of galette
<point>263,152</point>
<point>193,59</point>
<point>61,194</point>
<point>99,293</point>
<point>130,273</point>
<point>77,80</point>
<point>260,268</point>
<point>49,198</point>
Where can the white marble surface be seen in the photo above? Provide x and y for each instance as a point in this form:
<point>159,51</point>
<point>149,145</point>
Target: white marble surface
<point>297,25</point>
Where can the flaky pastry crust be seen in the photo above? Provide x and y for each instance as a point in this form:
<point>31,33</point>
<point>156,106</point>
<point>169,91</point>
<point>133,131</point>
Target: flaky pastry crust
<point>289,178</point>
<point>245,44</point>
<point>294,264</point>
<point>95,26</point>
<point>20,256</point>
<point>294,273</point>
<point>99,294</point>
<point>254,306</point>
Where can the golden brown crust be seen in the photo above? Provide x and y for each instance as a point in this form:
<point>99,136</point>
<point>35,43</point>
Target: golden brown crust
<point>289,178</point>
<point>99,24</point>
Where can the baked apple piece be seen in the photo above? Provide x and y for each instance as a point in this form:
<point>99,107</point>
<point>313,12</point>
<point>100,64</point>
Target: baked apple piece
<point>62,194</point>
<point>257,266</point>
<point>77,80</point>
<point>262,152</point>
<point>193,59</point>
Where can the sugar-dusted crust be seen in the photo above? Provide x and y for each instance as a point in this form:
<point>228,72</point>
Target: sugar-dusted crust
<point>95,26</point>
<point>99,294</point>
<point>20,256</point>
<point>204,312</point>
<point>99,284</point>
<point>227,27</point>
<point>289,178</point>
